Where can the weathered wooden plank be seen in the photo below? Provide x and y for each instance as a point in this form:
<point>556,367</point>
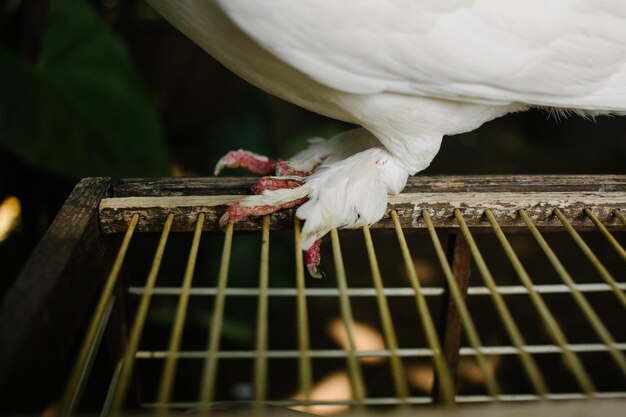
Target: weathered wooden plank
<point>41,315</point>
<point>115,213</point>
<point>520,183</point>
<point>182,186</point>
<point>517,183</point>
<point>505,205</point>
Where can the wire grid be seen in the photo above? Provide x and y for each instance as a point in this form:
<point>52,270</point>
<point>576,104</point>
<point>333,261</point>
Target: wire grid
<point>262,358</point>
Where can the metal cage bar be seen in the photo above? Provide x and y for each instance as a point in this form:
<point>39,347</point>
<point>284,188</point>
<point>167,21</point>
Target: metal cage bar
<point>171,362</point>
<point>535,376</point>
<point>618,248</point>
<point>354,367</point>
<point>304,362</point>
<point>391,341</point>
<point>434,291</point>
<point>385,353</point>
<point>446,390</point>
<point>584,305</point>
<point>128,360</point>
<point>260,361</point>
<point>604,273</point>
<point>72,390</point>
<point>492,385</point>
<point>575,365</point>
<point>209,374</point>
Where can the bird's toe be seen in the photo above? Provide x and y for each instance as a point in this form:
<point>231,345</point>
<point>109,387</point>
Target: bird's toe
<point>257,164</point>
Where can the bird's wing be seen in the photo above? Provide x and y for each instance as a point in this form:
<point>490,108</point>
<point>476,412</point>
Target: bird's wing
<point>564,53</point>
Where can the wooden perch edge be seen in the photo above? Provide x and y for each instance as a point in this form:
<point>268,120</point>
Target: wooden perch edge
<point>153,200</point>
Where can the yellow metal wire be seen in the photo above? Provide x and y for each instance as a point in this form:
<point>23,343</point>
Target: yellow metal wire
<point>402,389</point>
<point>354,368</point>
<point>620,250</point>
<point>68,404</point>
<point>446,389</point>
<point>604,273</point>
<point>260,362</point>
<point>528,363</point>
<point>169,369</point>
<point>620,216</point>
<point>106,406</point>
<point>493,388</point>
<point>140,319</point>
<point>306,373</point>
<point>574,363</point>
<point>207,388</point>
<point>582,302</point>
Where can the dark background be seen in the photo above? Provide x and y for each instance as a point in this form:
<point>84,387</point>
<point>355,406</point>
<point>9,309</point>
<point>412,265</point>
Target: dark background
<point>202,110</point>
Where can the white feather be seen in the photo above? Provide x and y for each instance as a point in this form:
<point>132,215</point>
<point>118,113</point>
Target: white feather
<point>563,53</point>
<point>409,72</point>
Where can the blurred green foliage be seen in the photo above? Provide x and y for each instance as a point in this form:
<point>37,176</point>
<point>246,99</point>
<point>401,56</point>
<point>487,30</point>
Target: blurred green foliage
<point>79,109</point>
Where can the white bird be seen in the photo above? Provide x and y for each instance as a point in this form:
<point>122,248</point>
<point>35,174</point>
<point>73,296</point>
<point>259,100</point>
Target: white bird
<point>408,72</point>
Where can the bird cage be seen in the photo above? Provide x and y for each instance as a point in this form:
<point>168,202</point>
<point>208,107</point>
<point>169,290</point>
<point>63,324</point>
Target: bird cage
<point>470,290</point>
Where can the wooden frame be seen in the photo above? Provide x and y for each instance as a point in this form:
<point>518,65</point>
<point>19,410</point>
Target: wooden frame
<point>42,314</point>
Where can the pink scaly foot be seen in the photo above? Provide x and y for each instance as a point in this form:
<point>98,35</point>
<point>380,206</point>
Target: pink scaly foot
<point>262,165</point>
<point>237,212</point>
<point>257,164</point>
<point>276,183</point>
<point>289,175</point>
<point>312,256</point>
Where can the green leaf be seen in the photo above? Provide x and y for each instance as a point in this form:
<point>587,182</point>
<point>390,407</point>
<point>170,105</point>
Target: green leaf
<point>80,110</point>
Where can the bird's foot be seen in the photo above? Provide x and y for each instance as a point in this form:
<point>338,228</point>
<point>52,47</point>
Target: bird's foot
<point>348,190</point>
<point>288,175</point>
<point>255,207</point>
<point>239,211</point>
<point>312,256</point>
<point>262,165</point>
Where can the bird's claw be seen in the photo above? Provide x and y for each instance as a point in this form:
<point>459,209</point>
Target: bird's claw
<point>312,259</point>
<point>255,163</point>
<point>237,212</point>
<point>290,175</point>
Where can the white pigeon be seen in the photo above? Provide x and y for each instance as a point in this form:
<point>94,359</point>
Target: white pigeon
<point>408,72</point>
